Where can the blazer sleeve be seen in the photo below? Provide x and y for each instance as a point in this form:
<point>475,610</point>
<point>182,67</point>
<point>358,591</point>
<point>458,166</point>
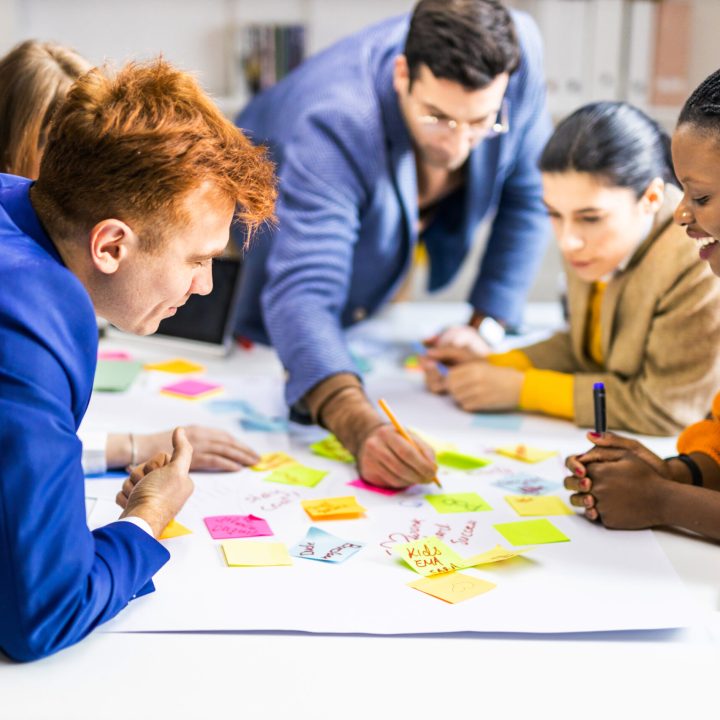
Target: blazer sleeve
<point>555,353</point>
<point>58,580</point>
<point>310,263</point>
<point>681,368</point>
<point>520,230</point>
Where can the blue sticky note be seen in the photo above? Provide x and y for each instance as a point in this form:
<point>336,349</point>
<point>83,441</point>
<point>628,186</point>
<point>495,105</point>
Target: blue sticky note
<point>527,484</point>
<point>232,405</point>
<point>264,424</point>
<point>497,421</point>
<point>108,475</point>
<point>320,545</point>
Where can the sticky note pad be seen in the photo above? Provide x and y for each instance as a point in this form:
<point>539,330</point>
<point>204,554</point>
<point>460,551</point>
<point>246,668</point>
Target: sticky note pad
<point>174,529</point>
<point>439,446</point>
<point>453,587</point>
<point>115,375</point>
<point>336,508</point>
<point>525,453</point>
<point>527,505</point>
<point>453,459</point>
<point>497,421</point>
<point>458,502</point>
<point>246,553</point>
<point>527,485</point>
<point>429,556</point>
<point>320,545</point>
<point>191,389</point>
<point>113,355</point>
<point>497,554</point>
<point>271,461</point>
<point>177,366</point>
<point>330,447</point>
<point>531,532</point>
<point>360,483</point>
<point>222,527</point>
<point>296,475</point>
<point>264,424</point>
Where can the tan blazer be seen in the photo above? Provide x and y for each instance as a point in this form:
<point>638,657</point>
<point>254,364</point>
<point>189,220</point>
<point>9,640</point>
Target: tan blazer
<point>660,324</point>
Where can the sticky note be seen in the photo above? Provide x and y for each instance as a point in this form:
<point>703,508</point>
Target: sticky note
<point>191,389</point>
<point>525,453</point>
<point>527,485</point>
<point>531,532</point>
<point>497,421</point>
<point>174,529</point>
<point>296,475</point>
<point>177,366</point>
<point>453,587</point>
<point>113,355</point>
<point>271,461</point>
<point>528,505</point>
<point>245,553</point>
<point>411,362</point>
<point>330,447</point>
<point>335,508</point>
<point>497,554</point>
<point>429,556</point>
<point>320,545</point>
<point>258,424</point>
<point>115,375</point>
<point>222,527</point>
<point>459,461</point>
<point>360,483</point>
<point>439,446</point>
<point>362,363</point>
<point>458,502</point>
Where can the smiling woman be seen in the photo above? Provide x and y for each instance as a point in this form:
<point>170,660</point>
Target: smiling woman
<point>644,309</point>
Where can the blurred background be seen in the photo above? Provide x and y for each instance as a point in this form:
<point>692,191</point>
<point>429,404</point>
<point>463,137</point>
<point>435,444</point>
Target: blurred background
<point>649,52</point>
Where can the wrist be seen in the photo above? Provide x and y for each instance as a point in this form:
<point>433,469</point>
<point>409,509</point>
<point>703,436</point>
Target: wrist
<point>683,469</point>
<point>157,520</point>
<point>351,418</point>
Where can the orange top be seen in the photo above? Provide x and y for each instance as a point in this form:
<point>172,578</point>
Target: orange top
<point>703,436</point>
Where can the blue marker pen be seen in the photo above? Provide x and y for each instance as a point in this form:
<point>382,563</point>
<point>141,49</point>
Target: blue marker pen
<point>600,412</point>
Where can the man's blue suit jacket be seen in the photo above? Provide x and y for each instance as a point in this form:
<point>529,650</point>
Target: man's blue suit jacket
<point>58,580</point>
<point>348,207</point>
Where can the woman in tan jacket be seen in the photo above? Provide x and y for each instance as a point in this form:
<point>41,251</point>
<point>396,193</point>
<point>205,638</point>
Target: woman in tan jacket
<point>644,310</point>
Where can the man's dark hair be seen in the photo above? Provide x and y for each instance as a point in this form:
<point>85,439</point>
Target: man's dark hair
<point>702,108</point>
<point>470,42</point>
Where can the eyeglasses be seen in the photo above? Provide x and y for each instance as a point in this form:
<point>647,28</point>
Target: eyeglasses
<point>487,128</point>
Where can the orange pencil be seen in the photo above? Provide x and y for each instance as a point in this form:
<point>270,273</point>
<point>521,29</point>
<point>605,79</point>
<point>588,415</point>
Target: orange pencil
<point>401,430</point>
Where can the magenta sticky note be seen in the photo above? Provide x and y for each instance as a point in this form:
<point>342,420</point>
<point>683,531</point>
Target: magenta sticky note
<point>222,527</point>
<point>191,388</point>
<point>114,355</point>
<point>360,483</point>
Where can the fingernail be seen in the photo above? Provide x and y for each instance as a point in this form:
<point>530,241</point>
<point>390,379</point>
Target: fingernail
<point>584,485</point>
<point>595,434</point>
<point>588,502</point>
<point>580,472</point>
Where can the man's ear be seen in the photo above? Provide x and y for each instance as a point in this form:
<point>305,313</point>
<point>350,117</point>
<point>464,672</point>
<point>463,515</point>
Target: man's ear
<point>401,75</point>
<point>111,242</point>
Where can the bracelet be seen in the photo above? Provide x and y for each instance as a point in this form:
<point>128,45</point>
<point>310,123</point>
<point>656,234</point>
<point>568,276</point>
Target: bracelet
<point>133,450</point>
<point>696,476</point>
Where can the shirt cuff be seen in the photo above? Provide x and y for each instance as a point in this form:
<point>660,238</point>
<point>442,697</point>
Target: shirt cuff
<point>516,359</point>
<point>94,449</point>
<point>549,392</point>
<point>139,522</point>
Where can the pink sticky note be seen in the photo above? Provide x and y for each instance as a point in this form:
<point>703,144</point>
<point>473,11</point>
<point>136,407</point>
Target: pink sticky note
<point>114,355</point>
<point>191,388</point>
<point>360,483</point>
<point>237,526</point>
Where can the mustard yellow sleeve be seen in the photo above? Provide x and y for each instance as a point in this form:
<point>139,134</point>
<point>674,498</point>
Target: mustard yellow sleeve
<point>515,359</point>
<point>549,392</point>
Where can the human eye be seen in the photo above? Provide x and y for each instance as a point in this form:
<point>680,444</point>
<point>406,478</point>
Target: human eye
<point>591,219</point>
<point>701,200</point>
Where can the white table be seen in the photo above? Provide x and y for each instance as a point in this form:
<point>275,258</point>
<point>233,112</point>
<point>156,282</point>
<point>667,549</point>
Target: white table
<point>295,675</point>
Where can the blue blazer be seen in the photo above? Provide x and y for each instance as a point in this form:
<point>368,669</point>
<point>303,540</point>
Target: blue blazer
<point>348,205</point>
<point>58,580</point>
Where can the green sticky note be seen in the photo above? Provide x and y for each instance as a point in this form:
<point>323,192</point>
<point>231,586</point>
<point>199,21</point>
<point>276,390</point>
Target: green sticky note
<point>297,475</point>
<point>458,502</point>
<point>457,460</point>
<point>531,532</point>
<point>330,447</point>
<point>115,375</point>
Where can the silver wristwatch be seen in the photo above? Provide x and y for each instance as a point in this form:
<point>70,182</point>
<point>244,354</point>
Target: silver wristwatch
<point>491,331</point>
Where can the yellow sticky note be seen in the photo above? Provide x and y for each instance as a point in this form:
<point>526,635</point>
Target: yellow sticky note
<point>174,529</point>
<point>530,505</point>
<point>429,556</point>
<point>497,554</point>
<point>272,461</point>
<point>177,366</point>
<point>244,553</point>
<point>525,453</point>
<point>438,446</point>
<point>337,508</point>
<point>453,587</point>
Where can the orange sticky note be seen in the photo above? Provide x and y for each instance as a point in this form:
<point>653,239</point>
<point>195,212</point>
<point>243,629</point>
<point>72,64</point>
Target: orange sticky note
<point>174,529</point>
<point>452,587</point>
<point>336,508</point>
<point>273,461</point>
<point>177,366</point>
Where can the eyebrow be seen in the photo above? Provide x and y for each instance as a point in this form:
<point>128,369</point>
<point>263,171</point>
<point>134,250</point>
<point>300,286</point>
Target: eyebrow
<point>580,211</point>
<point>438,111</point>
<point>207,256</point>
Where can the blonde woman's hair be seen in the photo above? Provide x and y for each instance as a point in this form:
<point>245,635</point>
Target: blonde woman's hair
<point>34,80</point>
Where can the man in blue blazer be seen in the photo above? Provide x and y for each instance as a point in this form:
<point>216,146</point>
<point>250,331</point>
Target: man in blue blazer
<point>399,134</point>
<point>137,190</point>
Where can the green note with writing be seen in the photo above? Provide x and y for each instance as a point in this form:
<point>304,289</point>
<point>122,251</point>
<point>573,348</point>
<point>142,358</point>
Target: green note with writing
<point>458,503</point>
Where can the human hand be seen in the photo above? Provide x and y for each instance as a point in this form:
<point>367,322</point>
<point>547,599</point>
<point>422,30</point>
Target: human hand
<point>213,449</point>
<point>386,459</point>
<point>436,357</point>
<point>478,386</point>
<point>460,336</point>
<point>157,490</point>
